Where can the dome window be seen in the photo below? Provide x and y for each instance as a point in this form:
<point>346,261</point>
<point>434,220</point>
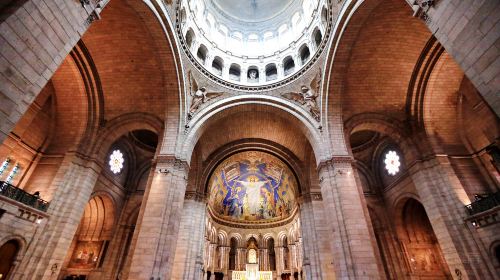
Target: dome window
<point>289,65</point>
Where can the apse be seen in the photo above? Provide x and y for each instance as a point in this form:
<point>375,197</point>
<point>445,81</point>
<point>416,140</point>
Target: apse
<point>252,187</point>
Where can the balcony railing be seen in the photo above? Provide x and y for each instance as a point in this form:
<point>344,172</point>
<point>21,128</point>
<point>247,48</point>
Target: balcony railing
<point>18,194</point>
<point>483,204</point>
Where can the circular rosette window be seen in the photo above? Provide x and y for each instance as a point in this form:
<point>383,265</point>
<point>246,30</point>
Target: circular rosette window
<point>252,187</point>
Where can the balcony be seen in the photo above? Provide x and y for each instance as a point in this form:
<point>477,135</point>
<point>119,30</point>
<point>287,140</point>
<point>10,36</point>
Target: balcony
<point>484,211</point>
<point>23,197</point>
<point>484,204</point>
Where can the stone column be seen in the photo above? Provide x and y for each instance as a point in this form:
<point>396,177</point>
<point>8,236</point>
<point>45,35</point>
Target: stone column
<point>264,260</point>
<point>224,252</point>
<point>159,220</point>
<point>212,253</point>
<point>188,262</point>
<point>444,198</point>
<point>280,260</point>
<point>316,236</point>
<point>241,259</point>
<point>293,256</point>
<point>343,201</point>
<point>72,185</point>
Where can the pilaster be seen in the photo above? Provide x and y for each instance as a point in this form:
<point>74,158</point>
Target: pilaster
<point>444,198</point>
<point>159,221</point>
<point>343,200</point>
<point>188,262</point>
<point>72,185</point>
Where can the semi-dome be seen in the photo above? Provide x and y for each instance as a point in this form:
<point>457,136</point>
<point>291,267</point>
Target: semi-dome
<point>252,187</point>
<point>255,42</point>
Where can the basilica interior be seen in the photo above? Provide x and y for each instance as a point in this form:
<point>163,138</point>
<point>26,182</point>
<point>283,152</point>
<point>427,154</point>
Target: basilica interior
<point>249,139</point>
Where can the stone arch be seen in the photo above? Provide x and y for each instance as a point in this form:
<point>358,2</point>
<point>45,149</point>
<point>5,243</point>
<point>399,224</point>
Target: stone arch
<point>217,111</point>
<point>10,251</point>
<point>357,24</point>
<point>223,238</point>
<point>164,84</point>
<point>120,125</point>
<point>99,218</point>
<point>282,238</point>
<point>421,249</point>
<point>239,239</point>
<point>386,126</point>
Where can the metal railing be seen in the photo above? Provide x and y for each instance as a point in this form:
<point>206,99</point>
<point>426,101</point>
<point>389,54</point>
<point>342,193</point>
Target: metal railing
<point>20,195</point>
<point>483,203</point>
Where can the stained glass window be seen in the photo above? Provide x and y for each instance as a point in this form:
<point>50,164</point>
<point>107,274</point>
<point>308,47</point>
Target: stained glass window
<point>116,161</point>
<point>392,162</point>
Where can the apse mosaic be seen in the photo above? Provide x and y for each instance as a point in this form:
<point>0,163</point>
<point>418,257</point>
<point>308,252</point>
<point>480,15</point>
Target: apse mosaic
<point>252,186</point>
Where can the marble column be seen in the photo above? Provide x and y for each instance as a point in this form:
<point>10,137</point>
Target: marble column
<point>72,187</point>
<point>188,262</point>
<point>444,198</point>
<point>159,221</point>
<point>343,201</point>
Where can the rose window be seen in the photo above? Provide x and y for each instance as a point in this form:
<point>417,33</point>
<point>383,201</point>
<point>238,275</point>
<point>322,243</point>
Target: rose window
<point>392,162</point>
<point>116,161</point>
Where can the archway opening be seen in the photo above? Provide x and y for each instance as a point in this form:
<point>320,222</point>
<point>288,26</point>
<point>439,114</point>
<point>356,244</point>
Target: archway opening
<point>422,250</point>
<point>8,253</point>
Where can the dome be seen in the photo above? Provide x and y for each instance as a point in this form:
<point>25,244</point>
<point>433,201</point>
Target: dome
<point>252,42</point>
<point>252,187</point>
<point>253,11</point>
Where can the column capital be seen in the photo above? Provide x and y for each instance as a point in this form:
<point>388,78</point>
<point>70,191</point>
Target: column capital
<point>336,162</point>
<point>170,163</point>
<point>196,196</point>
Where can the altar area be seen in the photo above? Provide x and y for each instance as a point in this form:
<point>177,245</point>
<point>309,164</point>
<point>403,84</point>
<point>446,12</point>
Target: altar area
<point>252,269</point>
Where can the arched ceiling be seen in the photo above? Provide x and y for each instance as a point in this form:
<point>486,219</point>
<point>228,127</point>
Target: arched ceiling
<point>380,47</point>
<point>133,60</point>
<point>254,122</point>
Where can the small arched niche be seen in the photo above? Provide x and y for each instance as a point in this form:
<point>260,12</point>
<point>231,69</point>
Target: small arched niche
<point>190,37</point>
<point>218,65</point>
<point>304,54</point>
<point>234,72</point>
<point>288,65</point>
<point>317,37</point>
<point>271,72</point>
<point>253,74</point>
<point>202,53</point>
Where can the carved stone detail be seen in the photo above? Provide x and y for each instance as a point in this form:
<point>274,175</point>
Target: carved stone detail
<point>307,97</point>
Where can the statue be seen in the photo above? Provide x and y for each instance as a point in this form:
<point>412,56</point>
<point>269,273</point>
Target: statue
<point>199,95</point>
<point>307,97</point>
<point>252,75</point>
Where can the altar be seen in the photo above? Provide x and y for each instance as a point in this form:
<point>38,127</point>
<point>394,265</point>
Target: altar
<point>252,269</point>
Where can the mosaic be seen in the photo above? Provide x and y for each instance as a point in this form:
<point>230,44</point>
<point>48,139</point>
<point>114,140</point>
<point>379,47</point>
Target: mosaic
<point>252,186</point>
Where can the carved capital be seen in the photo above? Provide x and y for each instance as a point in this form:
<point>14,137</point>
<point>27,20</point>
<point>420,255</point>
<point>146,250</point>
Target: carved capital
<point>166,164</point>
<point>196,196</point>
